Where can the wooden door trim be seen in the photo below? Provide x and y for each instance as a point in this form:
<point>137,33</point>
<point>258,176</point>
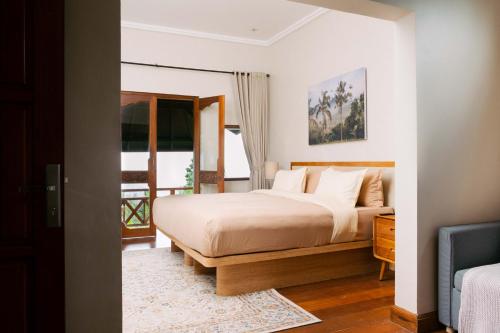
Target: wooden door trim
<point>209,177</point>
<point>134,98</point>
<point>220,160</point>
<point>160,95</point>
<point>153,149</point>
<point>370,164</point>
<point>135,177</point>
<point>418,323</point>
<point>207,101</point>
<point>196,147</point>
<point>137,232</point>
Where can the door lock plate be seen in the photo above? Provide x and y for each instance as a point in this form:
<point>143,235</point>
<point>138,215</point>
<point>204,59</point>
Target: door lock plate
<point>53,195</point>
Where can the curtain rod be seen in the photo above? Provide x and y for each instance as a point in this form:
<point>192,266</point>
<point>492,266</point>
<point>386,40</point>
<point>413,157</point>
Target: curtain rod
<point>182,68</point>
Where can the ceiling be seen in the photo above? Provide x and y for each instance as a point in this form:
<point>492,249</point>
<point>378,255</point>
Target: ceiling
<point>260,22</point>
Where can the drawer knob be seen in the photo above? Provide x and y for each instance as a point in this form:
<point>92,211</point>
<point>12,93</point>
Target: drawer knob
<point>392,229</point>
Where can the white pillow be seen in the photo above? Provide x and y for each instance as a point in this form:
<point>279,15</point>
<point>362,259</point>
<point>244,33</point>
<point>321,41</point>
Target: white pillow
<point>344,185</point>
<point>290,180</point>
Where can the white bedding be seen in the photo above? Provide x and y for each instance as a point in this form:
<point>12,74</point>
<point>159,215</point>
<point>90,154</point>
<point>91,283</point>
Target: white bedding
<point>266,220</point>
<point>480,300</point>
<point>344,217</point>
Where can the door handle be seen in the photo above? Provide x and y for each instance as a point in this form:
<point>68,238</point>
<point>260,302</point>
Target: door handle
<point>53,195</point>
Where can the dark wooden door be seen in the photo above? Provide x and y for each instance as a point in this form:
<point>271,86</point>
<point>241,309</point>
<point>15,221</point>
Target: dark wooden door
<point>31,137</point>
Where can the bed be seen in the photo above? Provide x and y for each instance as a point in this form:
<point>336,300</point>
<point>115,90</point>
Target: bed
<point>269,239</point>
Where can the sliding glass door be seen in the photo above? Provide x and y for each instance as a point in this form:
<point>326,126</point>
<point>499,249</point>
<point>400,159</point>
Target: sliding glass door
<point>157,155</point>
<point>171,145</point>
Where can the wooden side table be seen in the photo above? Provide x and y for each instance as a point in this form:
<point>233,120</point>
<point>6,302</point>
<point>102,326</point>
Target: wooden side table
<point>384,240</point>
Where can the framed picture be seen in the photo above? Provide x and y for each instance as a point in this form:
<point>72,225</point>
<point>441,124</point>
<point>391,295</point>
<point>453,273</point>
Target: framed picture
<point>337,109</point>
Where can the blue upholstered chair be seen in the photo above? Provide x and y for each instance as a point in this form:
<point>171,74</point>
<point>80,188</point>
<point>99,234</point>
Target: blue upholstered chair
<point>461,248</point>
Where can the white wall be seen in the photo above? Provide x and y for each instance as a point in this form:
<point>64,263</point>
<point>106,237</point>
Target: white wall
<point>458,84</point>
<point>329,46</point>
<point>183,51</point>
<point>458,160</point>
<point>406,165</point>
<point>334,44</point>
<point>387,50</point>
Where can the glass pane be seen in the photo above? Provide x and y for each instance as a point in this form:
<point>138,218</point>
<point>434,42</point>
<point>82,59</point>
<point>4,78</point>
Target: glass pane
<point>135,125</point>
<point>135,132</point>
<point>208,188</point>
<point>235,159</point>
<point>174,170</point>
<point>174,167</point>
<point>175,125</point>
<point>135,161</point>
<point>209,139</point>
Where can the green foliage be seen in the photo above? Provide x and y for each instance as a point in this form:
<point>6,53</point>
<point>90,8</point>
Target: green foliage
<point>189,177</point>
<point>189,174</point>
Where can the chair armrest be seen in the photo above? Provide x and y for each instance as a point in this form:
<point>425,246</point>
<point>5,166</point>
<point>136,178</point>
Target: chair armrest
<point>462,247</point>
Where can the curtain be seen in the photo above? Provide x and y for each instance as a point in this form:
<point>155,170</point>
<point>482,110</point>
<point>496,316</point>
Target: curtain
<point>252,106</point>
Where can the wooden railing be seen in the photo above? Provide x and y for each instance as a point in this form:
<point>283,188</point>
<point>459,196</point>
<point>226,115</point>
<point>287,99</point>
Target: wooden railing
<point>136,210</point>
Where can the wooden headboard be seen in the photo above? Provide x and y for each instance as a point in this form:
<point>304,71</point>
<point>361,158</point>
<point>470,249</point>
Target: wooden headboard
<point>387,178</point>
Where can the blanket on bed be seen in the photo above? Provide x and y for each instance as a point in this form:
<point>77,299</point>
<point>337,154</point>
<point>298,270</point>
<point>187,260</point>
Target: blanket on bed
<point>235,223</point>
<point>344,218</point>
<point>480,300</point>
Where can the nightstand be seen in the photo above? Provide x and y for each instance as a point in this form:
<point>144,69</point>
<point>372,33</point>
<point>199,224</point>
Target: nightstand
<point>384,240</point>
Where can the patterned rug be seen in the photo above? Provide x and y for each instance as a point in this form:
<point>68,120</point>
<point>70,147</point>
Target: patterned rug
<point>160,294</point>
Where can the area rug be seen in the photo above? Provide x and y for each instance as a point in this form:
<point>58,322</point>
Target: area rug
<point>160,294</point>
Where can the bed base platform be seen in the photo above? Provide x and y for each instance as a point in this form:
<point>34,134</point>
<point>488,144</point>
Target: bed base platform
<point>238,274</point>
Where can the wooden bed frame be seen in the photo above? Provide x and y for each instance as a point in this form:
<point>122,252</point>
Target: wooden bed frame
<point>237,274</point>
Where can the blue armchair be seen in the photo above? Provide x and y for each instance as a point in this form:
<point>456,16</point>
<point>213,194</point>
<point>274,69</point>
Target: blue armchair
<point>461,248</point>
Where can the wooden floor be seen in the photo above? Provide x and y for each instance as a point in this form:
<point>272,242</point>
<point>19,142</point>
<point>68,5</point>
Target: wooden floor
<point>359,304</point>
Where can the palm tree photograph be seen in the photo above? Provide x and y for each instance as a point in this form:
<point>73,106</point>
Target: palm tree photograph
<point>337,109</point>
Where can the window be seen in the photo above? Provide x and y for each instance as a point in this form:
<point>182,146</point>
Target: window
<point>174,126</point>
<point>235,159</point>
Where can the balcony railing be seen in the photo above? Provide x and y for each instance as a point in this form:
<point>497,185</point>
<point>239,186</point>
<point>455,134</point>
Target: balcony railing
<point>135,211</point>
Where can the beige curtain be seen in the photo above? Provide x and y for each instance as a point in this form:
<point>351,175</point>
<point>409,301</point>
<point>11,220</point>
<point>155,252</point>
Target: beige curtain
<point>252,106</point>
